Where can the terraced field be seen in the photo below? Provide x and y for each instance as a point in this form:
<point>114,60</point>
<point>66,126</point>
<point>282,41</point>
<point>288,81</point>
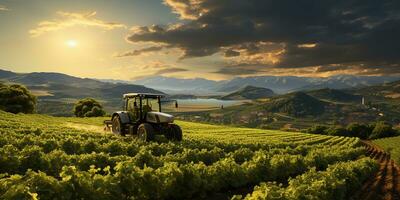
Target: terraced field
<point>390,145</point>
<point>385,184</point>
<point>44,157</point>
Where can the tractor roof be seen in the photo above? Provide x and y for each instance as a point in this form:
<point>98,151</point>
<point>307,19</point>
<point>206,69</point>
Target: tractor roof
<point>144,95</point>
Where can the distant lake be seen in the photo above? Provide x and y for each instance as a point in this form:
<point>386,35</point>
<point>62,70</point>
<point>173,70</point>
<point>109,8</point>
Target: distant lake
<point>200,104</point>
<point>210,102</point>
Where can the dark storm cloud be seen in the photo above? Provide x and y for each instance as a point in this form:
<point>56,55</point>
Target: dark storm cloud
<point>138,52</point>
<point>331,68</point>
<point>239,69</point>
<point>349,32</point>
<point>231,53</point>
<point>169,70</point>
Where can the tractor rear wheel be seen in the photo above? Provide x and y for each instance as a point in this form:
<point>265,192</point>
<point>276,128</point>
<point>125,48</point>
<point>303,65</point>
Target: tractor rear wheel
<point>145,132</point>
<point>117,126</point>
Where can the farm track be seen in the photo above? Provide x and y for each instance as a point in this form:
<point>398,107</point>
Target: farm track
<point>385,184</point>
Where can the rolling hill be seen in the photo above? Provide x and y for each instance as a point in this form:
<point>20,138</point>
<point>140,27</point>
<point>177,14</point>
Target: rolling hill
<point>301,110</point>
<point>57,92</point>
<point>57,85</point>
<point>249,92</point>
<point>298,104</point>
<point>387,90</point>
<point>335,95</point>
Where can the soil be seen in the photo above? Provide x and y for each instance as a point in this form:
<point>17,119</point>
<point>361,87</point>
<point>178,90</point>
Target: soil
<point>384,184</point>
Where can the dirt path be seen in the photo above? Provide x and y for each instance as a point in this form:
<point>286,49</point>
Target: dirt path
<point>385,184</point>
<point>85,127</point>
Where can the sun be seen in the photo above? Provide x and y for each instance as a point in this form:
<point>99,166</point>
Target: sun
<point>71,43</point>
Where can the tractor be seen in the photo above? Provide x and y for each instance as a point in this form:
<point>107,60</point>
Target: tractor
<point>142,116</point>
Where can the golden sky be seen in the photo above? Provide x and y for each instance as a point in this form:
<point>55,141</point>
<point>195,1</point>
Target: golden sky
<point>131,39</point>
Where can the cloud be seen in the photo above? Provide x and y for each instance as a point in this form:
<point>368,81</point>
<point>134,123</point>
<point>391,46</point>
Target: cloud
<point>186,9</point>
<point>313,71</point>
<point>311,45</point>
<point>231,53</point>
<point>285,34</point>
<point>169,70</point>
<point>138,52</point>
<point>236,71</point>
<point>3,8</point>
<point>156,68</point>
<point>69,19</point>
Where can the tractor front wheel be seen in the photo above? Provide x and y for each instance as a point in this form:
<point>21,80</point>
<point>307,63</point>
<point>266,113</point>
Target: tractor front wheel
<point>145,132</point>
<point>174,133</point>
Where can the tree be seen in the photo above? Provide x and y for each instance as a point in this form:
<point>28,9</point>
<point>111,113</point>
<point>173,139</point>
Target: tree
<point>381,130</point>
<point>16,99</point>
<point>359,130</point>
<point>317,129</point>
<point>337,131</point>
<point>88,107</point>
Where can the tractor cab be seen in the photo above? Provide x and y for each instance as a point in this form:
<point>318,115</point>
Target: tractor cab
<point>142,116</point>
<point>139,104</point>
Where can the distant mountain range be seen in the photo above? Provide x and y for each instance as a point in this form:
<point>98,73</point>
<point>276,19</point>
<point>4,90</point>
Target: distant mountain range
<point>57,85</point>
<point>279,84</point>
<point>387,90</point>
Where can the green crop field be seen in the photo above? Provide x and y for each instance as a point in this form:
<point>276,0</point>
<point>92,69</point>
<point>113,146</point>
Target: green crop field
<point>390,145</point>
<point>43,157</point>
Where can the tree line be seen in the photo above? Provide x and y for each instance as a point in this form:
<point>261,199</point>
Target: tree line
<point>375,130</point>
<point>15,98</point>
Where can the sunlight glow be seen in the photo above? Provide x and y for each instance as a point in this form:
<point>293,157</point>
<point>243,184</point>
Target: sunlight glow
<point>71,43</point>
<point>310,45</point>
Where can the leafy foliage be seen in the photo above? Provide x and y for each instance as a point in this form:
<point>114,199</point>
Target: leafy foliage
<point>359,130</point>
<point>337,182</point>
<point>336,131</point>
<point>317,129</point>
<point>16,99</point>
<point>88,107</point>
<point>382,130</point>
<point>376,130</point>
<point>43,157</point>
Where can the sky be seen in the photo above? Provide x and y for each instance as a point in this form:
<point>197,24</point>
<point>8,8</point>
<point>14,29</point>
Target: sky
<point>212,39</point>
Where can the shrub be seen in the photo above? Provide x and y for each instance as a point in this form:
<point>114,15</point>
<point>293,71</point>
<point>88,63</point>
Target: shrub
<point>359,130</point>
<point>363,131</point>
<point>381,130</point>
<point>337,131</point>
<point>16,99</point>
<point>317,129</point>
<point>88,107</point>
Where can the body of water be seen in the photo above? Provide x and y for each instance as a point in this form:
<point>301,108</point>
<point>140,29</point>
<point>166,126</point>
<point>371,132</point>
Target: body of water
<point>201,104</point>
<point>209,102</point>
